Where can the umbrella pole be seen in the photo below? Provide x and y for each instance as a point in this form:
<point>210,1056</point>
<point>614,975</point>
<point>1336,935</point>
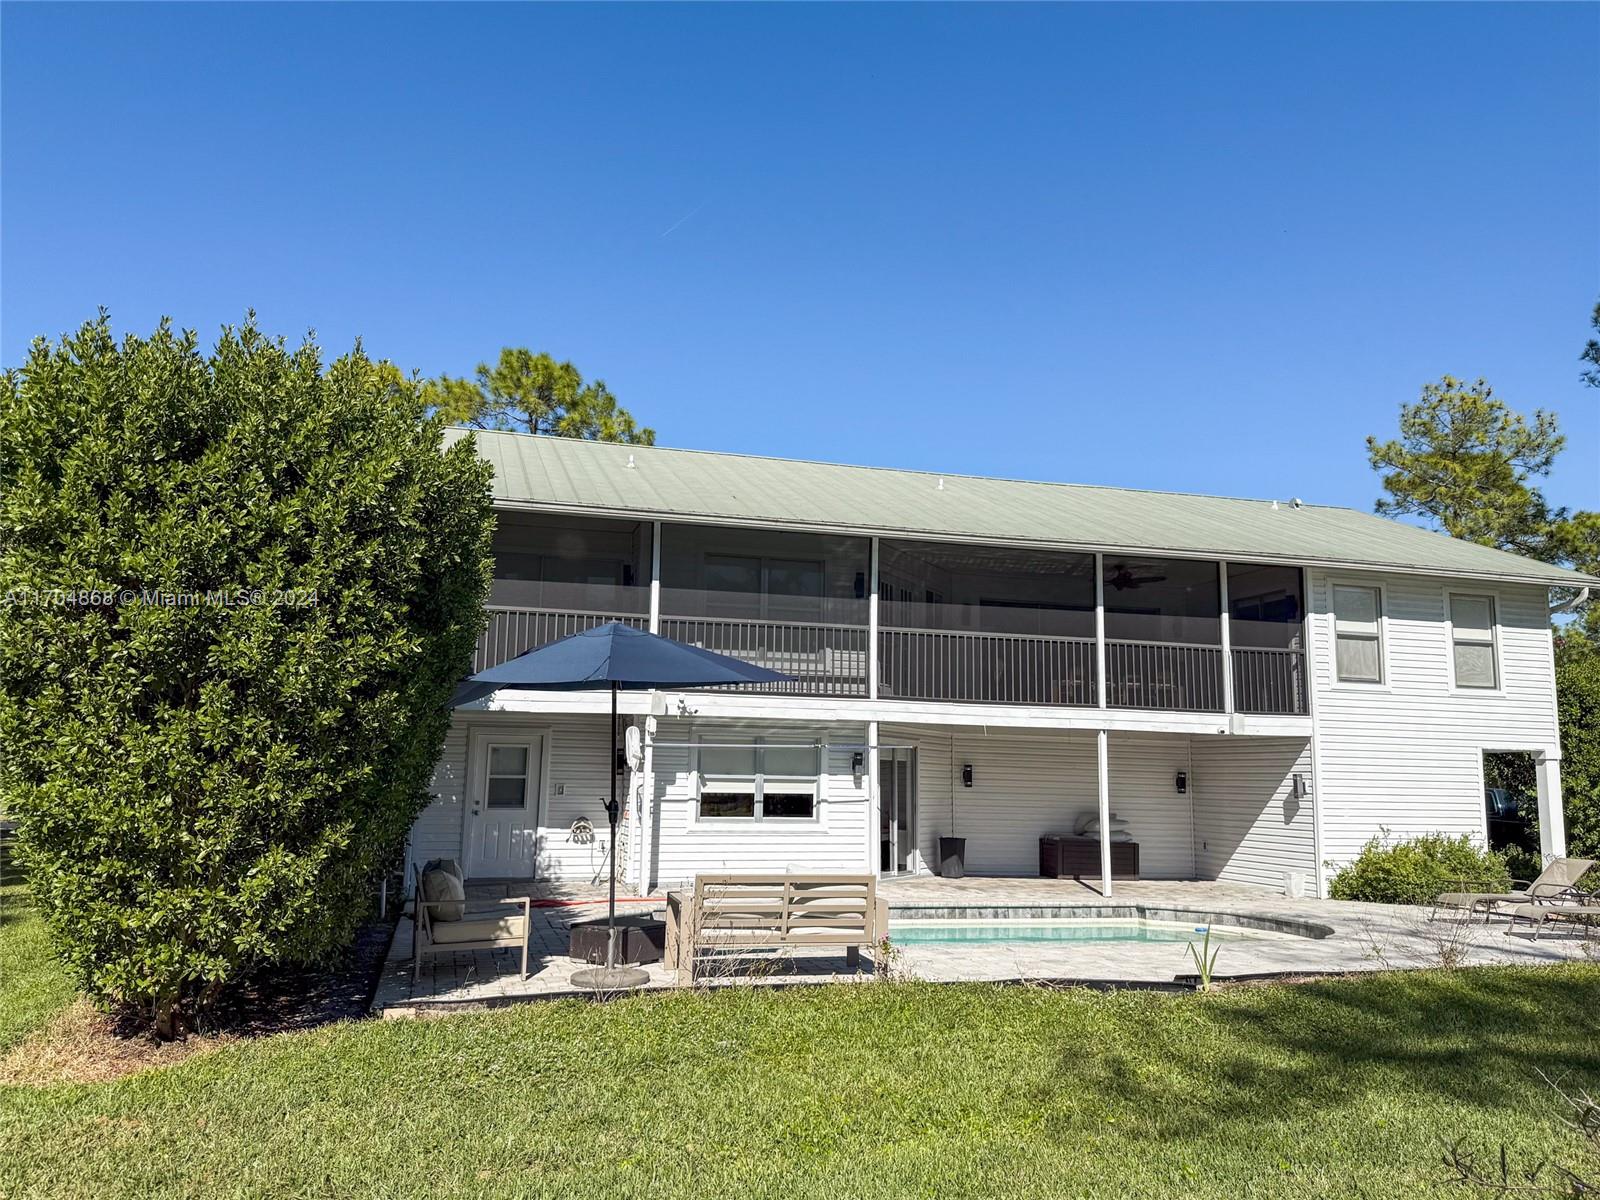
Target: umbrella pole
<point>611,811</point>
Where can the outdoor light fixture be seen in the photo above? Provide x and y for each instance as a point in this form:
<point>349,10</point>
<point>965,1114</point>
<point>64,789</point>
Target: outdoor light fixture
<point>857,762</point>
<point>1299,786</point>
<point>966,774</point>
<point>1183,782</point>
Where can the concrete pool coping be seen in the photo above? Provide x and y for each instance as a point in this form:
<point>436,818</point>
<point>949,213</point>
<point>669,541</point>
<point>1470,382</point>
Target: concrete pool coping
<point>1155,914</point>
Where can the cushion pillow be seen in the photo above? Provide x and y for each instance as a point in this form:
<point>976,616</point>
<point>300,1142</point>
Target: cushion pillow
<point>1087,822</point>
<point>440,884</point>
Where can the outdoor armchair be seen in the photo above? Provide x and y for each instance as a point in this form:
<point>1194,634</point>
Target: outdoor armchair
<point>444,926</point>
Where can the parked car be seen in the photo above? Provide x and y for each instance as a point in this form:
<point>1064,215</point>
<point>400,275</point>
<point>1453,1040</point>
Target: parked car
<point>1507,825</point>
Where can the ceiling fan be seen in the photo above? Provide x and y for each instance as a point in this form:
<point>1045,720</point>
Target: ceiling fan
<point>1122,577</point>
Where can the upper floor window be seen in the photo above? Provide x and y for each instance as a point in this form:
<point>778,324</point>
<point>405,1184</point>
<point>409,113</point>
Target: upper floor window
<point>1358,633</point>
<point>1472,641</point>
<point>757,781</point>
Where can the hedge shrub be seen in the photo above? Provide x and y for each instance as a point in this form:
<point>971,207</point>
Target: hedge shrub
<point>239,590</point>
<point>1415,870</point>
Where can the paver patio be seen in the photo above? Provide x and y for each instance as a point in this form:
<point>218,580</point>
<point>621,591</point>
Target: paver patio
<point>1360,937</point>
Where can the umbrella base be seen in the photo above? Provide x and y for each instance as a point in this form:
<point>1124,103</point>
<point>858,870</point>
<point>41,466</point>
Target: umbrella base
<point>610,979</point>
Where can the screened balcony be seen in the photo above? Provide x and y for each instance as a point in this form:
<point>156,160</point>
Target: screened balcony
<point>1163,634</point>
<point>985,624</point>
<point>792,602</point>
<point>956,623</point>
<point>555,576</point>
<point>1266,624</point>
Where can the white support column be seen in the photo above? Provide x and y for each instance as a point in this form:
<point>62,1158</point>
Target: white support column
<point>634,807</point>
<point>1552,821</point>
<point>1103,778</point>
<point>1227,640</point>
<point>874,804</point>
<point>1100,628</point>
<point>872,628</point>
<point>655,577</point>
<point>647,808</point>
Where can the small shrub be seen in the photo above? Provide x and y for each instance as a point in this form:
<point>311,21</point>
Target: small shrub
<point>1415,870</point>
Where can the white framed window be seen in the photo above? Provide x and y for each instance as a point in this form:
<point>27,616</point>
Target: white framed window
<point>1358,633</point>
<point>506,783</point>
<point>758,781</point>
<point>1474,660</point>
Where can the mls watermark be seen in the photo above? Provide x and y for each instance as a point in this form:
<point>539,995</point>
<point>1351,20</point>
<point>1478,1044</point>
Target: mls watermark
<point>161,598</point>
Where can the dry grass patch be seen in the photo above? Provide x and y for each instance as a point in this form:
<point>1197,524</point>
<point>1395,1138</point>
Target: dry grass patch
<point>81,1044</point>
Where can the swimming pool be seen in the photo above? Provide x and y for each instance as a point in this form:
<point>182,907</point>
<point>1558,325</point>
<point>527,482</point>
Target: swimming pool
<point>948,933</point>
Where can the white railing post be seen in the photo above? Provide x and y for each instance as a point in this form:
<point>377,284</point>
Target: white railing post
<point>1228,705</point>
<point>655,577</point>
<point>872,624</point>
<point>1100,633</point>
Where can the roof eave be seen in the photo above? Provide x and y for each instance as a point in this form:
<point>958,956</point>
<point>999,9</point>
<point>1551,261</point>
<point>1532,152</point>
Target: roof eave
<point>1571,579</point>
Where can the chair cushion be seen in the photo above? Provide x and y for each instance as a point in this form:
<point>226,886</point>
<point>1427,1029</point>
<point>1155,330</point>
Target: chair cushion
<point>440,884</point>
<point>1089,822</point>
<point>480,929</point>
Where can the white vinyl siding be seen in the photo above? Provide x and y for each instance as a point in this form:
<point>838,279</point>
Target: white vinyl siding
<point>580,753</point>
<point>1249,826</point>
<point>1358,628</point>
<point>1472,641</point>
<point>1409,758</point>
<point>1026,784</point>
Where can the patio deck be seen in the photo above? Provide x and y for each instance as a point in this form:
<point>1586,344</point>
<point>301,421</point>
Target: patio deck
<point>1359,937</point>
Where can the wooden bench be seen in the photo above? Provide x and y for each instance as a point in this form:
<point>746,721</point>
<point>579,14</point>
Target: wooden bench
<point>780,911</point>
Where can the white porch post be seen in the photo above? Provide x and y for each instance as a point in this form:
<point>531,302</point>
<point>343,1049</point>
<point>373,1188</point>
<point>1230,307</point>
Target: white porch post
<point>644,860</point>
<point>1100,629</point>
<point>655,577</point>
<point>1227,640</point>
<point>872,630</point>
<point>1103,772</point>
<point>1552,822</point>
<point>874,803</point>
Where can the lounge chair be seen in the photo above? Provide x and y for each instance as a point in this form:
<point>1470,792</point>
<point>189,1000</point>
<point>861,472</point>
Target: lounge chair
<point>1541,914</point>
<point>1557,881</point>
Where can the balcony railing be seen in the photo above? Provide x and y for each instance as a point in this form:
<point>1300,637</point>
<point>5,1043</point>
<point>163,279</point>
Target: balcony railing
<point>825,660</point>
<point>988,668</point>
<point>1165,675</point>
<point>1269,681</point>
<point>513,631</point>
<point>831,659</point>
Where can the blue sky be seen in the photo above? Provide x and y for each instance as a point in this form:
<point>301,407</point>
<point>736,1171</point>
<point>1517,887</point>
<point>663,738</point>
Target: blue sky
<point>1191,247</point>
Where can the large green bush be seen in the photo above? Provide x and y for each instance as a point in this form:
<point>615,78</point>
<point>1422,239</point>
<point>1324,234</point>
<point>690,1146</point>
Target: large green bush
<point>1578,707</point>
<point>1415,870</point>
<point>239,590</point>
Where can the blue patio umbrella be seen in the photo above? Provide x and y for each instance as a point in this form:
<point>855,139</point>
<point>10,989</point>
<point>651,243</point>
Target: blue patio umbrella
<point>619,658</point>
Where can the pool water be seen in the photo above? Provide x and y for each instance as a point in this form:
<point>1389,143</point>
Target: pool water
<point>937,933</point>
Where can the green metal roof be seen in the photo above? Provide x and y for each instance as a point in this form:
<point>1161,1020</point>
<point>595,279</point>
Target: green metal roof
<point>659,483</point>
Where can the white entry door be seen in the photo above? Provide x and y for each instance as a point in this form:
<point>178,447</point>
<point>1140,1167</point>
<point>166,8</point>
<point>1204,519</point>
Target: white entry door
<point>503,806</point>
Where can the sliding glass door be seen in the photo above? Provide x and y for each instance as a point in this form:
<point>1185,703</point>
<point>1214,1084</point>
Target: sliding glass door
<point>897,821</point>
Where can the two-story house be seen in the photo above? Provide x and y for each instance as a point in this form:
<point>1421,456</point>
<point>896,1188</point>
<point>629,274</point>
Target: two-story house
<point>1253,687</point>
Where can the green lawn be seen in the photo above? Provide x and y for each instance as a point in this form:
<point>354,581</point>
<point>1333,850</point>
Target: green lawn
<point>1335,1089</point>
<point>33,987</point>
